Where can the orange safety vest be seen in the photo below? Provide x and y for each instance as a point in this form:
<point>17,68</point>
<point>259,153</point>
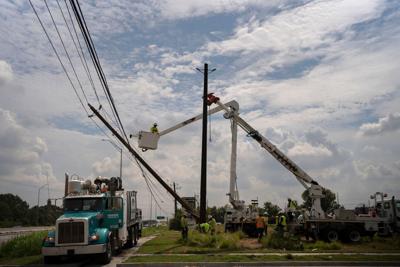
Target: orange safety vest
<point>260,222</point>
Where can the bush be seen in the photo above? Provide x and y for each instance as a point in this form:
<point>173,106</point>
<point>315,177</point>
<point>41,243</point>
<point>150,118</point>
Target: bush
<point>320,245</point>
<point>277,241</point>
<point>21,246</point>
<point>219,241</point>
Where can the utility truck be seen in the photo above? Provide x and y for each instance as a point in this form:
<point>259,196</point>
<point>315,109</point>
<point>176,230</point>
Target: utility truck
<point>99,218</point>
<point>341,223</point>
<point>239,216</point>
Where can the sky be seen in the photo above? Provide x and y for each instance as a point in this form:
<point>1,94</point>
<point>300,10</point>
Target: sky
<point>319,79</point>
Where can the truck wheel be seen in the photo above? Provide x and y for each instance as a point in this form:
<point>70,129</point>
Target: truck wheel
<point>106,257</point>
<point>135,235</point>
<point>50,259</point>
<point>129,242</point>
<point>331,235</point>
<point>354,235</point>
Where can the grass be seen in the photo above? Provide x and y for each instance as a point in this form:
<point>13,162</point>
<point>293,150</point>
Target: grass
<point>276,241</point>
<point>153,230</point>
<point>323,246</point>
<point>21,246</point>
<point>262,258</point>
<point>23,250</point>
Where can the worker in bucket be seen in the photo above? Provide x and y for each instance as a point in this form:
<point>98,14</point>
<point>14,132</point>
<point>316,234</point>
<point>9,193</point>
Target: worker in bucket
<point>154,129</point>
<point>184,227</point>
<point>260,226</point>
<point>213,224</point>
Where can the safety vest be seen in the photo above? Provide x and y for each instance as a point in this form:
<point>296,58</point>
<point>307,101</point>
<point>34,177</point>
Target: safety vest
<point>205,227</point>
<point>212,223</point>
<point>282,220</point>
<point>154,129</point>
<point>184,222</point>
<point>260,223</point>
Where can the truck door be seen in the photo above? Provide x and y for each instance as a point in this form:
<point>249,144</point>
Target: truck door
<point>114,212</point>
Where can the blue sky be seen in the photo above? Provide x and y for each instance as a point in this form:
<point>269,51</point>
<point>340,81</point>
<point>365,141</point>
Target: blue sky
<point>319,78</point>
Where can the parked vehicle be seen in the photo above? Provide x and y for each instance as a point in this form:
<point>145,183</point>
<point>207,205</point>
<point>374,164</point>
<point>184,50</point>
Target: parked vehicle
<point>99,218</point>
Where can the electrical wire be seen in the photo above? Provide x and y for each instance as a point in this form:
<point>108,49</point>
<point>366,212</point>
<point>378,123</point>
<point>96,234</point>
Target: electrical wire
<point>83,60</point>
<point>85,32</point>
<point>66,52</point>
<point>58,57</point>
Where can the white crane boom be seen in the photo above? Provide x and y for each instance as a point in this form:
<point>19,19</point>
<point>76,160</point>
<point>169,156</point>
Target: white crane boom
<point>315,189</point>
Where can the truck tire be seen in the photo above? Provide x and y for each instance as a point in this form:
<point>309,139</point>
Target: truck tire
<point>331,235</point>
<point>106,257</point>
<point>135,235</point>
<point>51,259</point>
<point>354,235</point>
<point>129,241</point>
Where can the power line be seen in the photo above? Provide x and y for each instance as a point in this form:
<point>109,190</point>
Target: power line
<point>82,58</point>
<point>66,52</point>
<point>85,32</point>
<point>58,57</point>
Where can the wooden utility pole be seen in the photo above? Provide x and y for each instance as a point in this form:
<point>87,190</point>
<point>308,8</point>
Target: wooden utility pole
<point>203,173</point>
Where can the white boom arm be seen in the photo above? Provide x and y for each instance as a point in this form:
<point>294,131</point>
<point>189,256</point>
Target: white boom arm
<point>148,140</point>
<point>315,189</point>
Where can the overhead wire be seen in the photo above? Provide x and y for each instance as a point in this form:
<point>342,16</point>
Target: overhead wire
<point>66,52</point>
<point>88,46</point>
<point>58,57</point>
<point>82,57</point>
<point>150,184</point>
<point>86,33</point>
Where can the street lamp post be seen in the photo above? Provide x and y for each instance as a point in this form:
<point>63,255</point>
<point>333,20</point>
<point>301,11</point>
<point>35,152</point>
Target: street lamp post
<point>38,198</point>
<point>120,151</point>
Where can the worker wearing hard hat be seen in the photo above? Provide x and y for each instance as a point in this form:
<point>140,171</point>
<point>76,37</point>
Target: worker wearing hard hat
<point>213,224</point>
<point>260,226</point>
<point>281,224</point>
<point>154,129</point>
<point>265,216</point>
<point>184,227</point>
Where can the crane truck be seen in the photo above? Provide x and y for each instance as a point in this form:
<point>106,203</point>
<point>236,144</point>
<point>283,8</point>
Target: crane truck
<point>100,218</point>
<point>344,224</point>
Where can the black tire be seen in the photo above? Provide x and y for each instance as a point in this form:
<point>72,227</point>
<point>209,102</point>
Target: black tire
<point>354,236</point>
<point>135,233</point>
<point>106,257</point>
<point>331,235</point>
<point>51,259</point>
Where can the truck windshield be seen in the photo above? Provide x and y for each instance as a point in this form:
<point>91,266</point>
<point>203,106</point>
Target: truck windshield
<point>83,204</point>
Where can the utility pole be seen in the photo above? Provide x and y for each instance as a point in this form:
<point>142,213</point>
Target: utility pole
<point>203,173</point>
<point>176,204</point>
<point>143,162</point>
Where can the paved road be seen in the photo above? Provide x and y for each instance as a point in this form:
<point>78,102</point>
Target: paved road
<point>9,233</point>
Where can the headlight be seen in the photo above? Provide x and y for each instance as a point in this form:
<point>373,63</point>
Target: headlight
<point>49,239</point>
<point>94,237</point>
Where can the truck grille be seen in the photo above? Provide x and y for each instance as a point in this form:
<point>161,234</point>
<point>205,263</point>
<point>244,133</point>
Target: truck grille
<point>71,232</point>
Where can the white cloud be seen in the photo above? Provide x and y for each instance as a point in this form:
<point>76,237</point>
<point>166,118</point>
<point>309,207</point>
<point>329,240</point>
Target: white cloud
<point>6,73</point>
<point>386,124</point>
<point>305,149</point>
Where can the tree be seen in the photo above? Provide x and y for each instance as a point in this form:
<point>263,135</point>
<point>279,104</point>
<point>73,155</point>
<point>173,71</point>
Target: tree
<point>328,203</point>
<point>217,213</point>
<point>272,209</point>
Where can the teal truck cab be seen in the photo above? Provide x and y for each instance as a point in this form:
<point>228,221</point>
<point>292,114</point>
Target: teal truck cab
<point>99,218</point>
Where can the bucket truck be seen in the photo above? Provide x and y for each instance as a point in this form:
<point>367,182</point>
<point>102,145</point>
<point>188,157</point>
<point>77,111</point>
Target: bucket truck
<point>239,216</point>
<point>343,224</point>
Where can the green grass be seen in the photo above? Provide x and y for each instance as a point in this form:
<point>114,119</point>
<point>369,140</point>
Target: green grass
<point>154,230</point>
<point>323,246</point>
<point>37,259</point>
<point>276,241</point>
<point>252,258</point>
<point>22,246</point>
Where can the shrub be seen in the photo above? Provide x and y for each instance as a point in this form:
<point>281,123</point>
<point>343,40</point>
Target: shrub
<point>219,241</point>
<point>21,246</point>
<point>277,241</point>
